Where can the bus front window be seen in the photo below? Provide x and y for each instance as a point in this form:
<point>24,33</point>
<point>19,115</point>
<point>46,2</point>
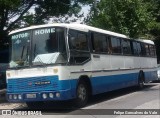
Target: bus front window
<point>20,49</point>
<point>48,46</point>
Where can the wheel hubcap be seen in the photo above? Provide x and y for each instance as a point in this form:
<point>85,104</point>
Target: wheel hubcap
<point>141,83</point>
<point>82,92</point>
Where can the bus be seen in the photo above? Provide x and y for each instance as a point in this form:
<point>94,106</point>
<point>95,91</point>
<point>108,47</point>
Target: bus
<point>59,62</point>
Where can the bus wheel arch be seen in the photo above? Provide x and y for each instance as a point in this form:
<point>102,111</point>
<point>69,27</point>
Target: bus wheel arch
<point>141,79</point>
<point>83,91</point>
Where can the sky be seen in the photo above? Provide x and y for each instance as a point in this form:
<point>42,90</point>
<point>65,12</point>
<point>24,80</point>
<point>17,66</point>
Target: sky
<point>85,10</point>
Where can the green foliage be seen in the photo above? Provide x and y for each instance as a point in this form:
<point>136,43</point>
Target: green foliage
<point>15,13</point>
<point>130,17</point>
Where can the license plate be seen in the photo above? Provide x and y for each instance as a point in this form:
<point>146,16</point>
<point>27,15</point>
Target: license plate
<point>31,95</point>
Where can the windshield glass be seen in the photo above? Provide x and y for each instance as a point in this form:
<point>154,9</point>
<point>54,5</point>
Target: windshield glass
<point>20,48</point>
<point>48,46</point>
<point>38,47</point>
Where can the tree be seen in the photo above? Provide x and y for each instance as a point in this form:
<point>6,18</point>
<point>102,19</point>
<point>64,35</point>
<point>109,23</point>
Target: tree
<point>155,28</point>
<point>15,13</point>
<point>130,17</point>
<point>8,10</point>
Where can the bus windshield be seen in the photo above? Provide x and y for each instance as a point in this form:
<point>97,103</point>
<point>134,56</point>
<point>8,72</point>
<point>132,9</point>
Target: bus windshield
<point>20,49</point>
<point>38,47</point>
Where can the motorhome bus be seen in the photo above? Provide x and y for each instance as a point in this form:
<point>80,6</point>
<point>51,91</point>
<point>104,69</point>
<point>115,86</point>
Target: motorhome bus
<point>57,62</point>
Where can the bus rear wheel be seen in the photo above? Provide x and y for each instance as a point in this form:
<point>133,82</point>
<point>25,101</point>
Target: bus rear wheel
<point>141,80</point>
<point>82,94</point>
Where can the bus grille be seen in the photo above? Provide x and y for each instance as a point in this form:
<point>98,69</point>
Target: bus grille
<point>33,84</point>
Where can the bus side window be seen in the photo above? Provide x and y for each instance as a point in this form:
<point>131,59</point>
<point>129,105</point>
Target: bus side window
<point>143,52</point>
<point>72,39</point>
<point>152,50</point>
<point>78,41</point>
<point>147,50</point>
<point>126,47</point>
<point>137,51</point>
<point>135,48</point>
<point>99,42</point>
<point>82,42</point>
<point>79,49</point>
<point>139,48</point>
<point>109,45</point>
<point>116,45</point>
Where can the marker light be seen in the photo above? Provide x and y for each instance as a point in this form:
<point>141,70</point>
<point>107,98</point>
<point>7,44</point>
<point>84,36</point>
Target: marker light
<point>55,70</point>
<point>57,95</point>
<point>20,97</point>
<point>10,96</point>
<point>8,74</point>
<point>51,95</point>
<point>44,95</point>
<point>15,97</point>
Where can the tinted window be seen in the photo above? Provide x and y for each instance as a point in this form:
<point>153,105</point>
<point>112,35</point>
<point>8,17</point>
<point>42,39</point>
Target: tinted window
<point>126,47</point>
<point>115,45</point>
<point>78,44</point>
<point>78,40</point>
<point>152,50</point>
<point>136,48</point>
<point>143,52</point>
<point>99,43</point>
<point>147,50</point>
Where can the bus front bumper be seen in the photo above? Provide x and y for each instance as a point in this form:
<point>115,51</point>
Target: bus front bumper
<point>40,96</point>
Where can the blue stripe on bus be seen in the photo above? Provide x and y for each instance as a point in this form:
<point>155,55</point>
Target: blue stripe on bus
<point>99,84</point>
<point>102,84</point>
<point>29,84</point>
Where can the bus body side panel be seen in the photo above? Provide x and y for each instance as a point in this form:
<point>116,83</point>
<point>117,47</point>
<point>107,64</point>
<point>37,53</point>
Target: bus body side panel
<point>111,72</point>
<point>108,83</point>
<point>148,66</point>
<point>150,75</point>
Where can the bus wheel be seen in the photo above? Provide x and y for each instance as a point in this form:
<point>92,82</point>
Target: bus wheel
<point>141,81</point>
<point>35,105</point>
<point>82,94</point>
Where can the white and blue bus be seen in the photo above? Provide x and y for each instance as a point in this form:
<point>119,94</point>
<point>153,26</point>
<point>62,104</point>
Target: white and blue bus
<point>57,62</point>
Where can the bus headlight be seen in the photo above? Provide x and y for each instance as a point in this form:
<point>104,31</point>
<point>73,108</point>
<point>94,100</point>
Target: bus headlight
<point>15,97</point>
<point>10,96</point>
<point>55,70</point>
<point>51,95</point>
<point>20,97</point>
<point>44,95</point>
<point>57,95</point>
<point>8,74</point>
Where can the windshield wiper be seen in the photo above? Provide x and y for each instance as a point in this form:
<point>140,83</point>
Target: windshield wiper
<point>39,59</point>
<point>27,53</point>
<point>22,52</point>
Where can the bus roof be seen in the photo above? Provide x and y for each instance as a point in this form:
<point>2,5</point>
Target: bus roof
<point>146,41</point>
<point>80,27</point>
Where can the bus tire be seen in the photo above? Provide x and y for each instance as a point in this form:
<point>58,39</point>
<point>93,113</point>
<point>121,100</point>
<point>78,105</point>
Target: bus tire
<point>82,94</point>
<point>141,80</point>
